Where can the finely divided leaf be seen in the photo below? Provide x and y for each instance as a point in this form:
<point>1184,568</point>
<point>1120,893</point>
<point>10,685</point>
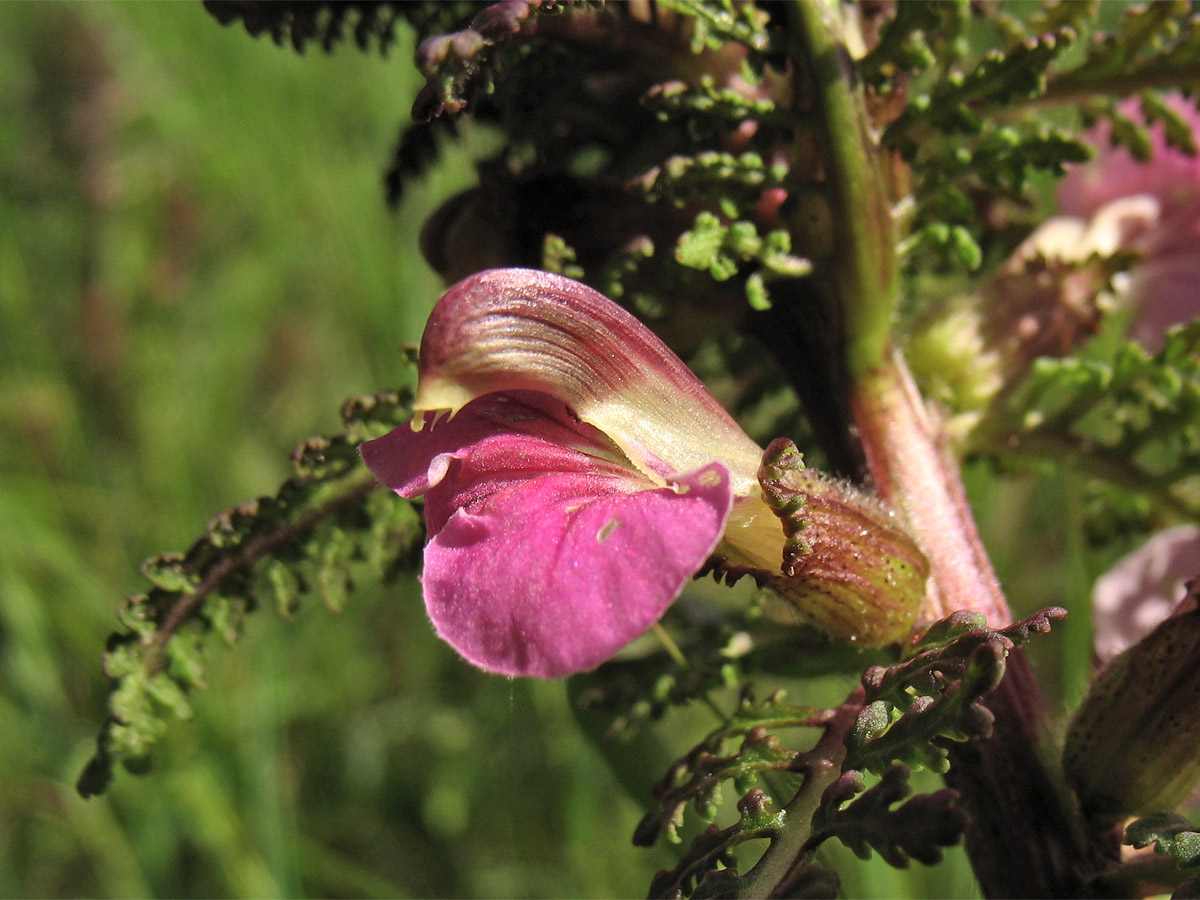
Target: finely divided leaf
<point>1132,420</point>
<point>325,522</point>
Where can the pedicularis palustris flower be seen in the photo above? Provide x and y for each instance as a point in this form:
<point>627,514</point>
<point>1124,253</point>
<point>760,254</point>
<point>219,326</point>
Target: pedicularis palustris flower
<point>576,474</point>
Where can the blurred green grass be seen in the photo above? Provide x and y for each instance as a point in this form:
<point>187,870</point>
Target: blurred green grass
<point>196,268</point>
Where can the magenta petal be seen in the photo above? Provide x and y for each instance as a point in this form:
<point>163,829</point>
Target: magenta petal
<point>552,576</point>
<point>495,439</point>
<point>548,551</point>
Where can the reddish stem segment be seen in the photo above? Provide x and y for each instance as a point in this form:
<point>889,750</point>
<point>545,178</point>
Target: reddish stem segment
<point>913,468</point>
<point>1008,784</point>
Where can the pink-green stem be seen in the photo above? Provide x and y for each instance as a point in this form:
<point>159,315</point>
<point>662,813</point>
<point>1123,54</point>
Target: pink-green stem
<point>1008,783</point>
<point>912,466</point>
<point>1026,838</point>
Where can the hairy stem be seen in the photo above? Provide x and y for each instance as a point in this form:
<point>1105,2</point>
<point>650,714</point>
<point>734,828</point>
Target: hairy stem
<point>1008,783</point>
<point>910,462</point>
<point>1024,839</point>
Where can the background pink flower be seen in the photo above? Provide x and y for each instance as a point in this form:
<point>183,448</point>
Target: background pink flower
<point>1143,588</point>
<point>1162,224</point>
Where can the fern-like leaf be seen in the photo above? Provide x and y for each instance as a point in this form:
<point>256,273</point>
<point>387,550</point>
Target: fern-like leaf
<point>913,707</point>
<point>954,105</point>
<point>889,722</point>
<point>1133,420</point>
<point>718,21</point>
<point>327,519</point>
<point>301,22</point>
<point>913,40</point>
<point>864,818</point>
<point>697,777</point>
<point>1155,46</point>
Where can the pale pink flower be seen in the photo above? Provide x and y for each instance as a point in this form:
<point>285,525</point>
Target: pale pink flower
<point>1133,745</point>
<point>1151,208</point>
<point>1144,588</point>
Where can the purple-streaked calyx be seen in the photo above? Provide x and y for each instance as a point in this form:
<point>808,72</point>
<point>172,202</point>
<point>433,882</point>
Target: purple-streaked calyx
<point>576,474</point>
<point>1133,746</point>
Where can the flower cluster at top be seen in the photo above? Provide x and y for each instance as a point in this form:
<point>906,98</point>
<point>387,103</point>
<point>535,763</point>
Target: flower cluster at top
<point>1150,208</point>
<point>576,474</point>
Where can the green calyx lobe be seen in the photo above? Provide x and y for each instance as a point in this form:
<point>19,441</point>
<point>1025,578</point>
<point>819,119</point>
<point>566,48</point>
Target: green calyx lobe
<point>780,462</point>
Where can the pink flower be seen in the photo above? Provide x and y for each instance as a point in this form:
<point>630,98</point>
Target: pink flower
<point>1144,588</point>
<point>1152,208</point>
<point>576,474</point>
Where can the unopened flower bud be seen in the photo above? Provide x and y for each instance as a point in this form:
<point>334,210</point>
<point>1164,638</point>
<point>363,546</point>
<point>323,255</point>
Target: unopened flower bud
<point>1133,747</point>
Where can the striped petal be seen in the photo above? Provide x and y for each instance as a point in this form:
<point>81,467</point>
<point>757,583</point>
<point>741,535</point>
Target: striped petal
<point>523,330</point>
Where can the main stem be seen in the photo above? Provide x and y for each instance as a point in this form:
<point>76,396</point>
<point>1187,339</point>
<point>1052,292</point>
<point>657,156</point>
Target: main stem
<point>1024,840</point>
<point>911,464</point>
<point>1009,783</point>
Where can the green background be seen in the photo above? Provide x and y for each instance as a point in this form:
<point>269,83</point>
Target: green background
<point>196,268</point>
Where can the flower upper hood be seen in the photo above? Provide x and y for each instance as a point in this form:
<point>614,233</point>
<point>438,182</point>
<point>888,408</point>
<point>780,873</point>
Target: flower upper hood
<point>526,330</point>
